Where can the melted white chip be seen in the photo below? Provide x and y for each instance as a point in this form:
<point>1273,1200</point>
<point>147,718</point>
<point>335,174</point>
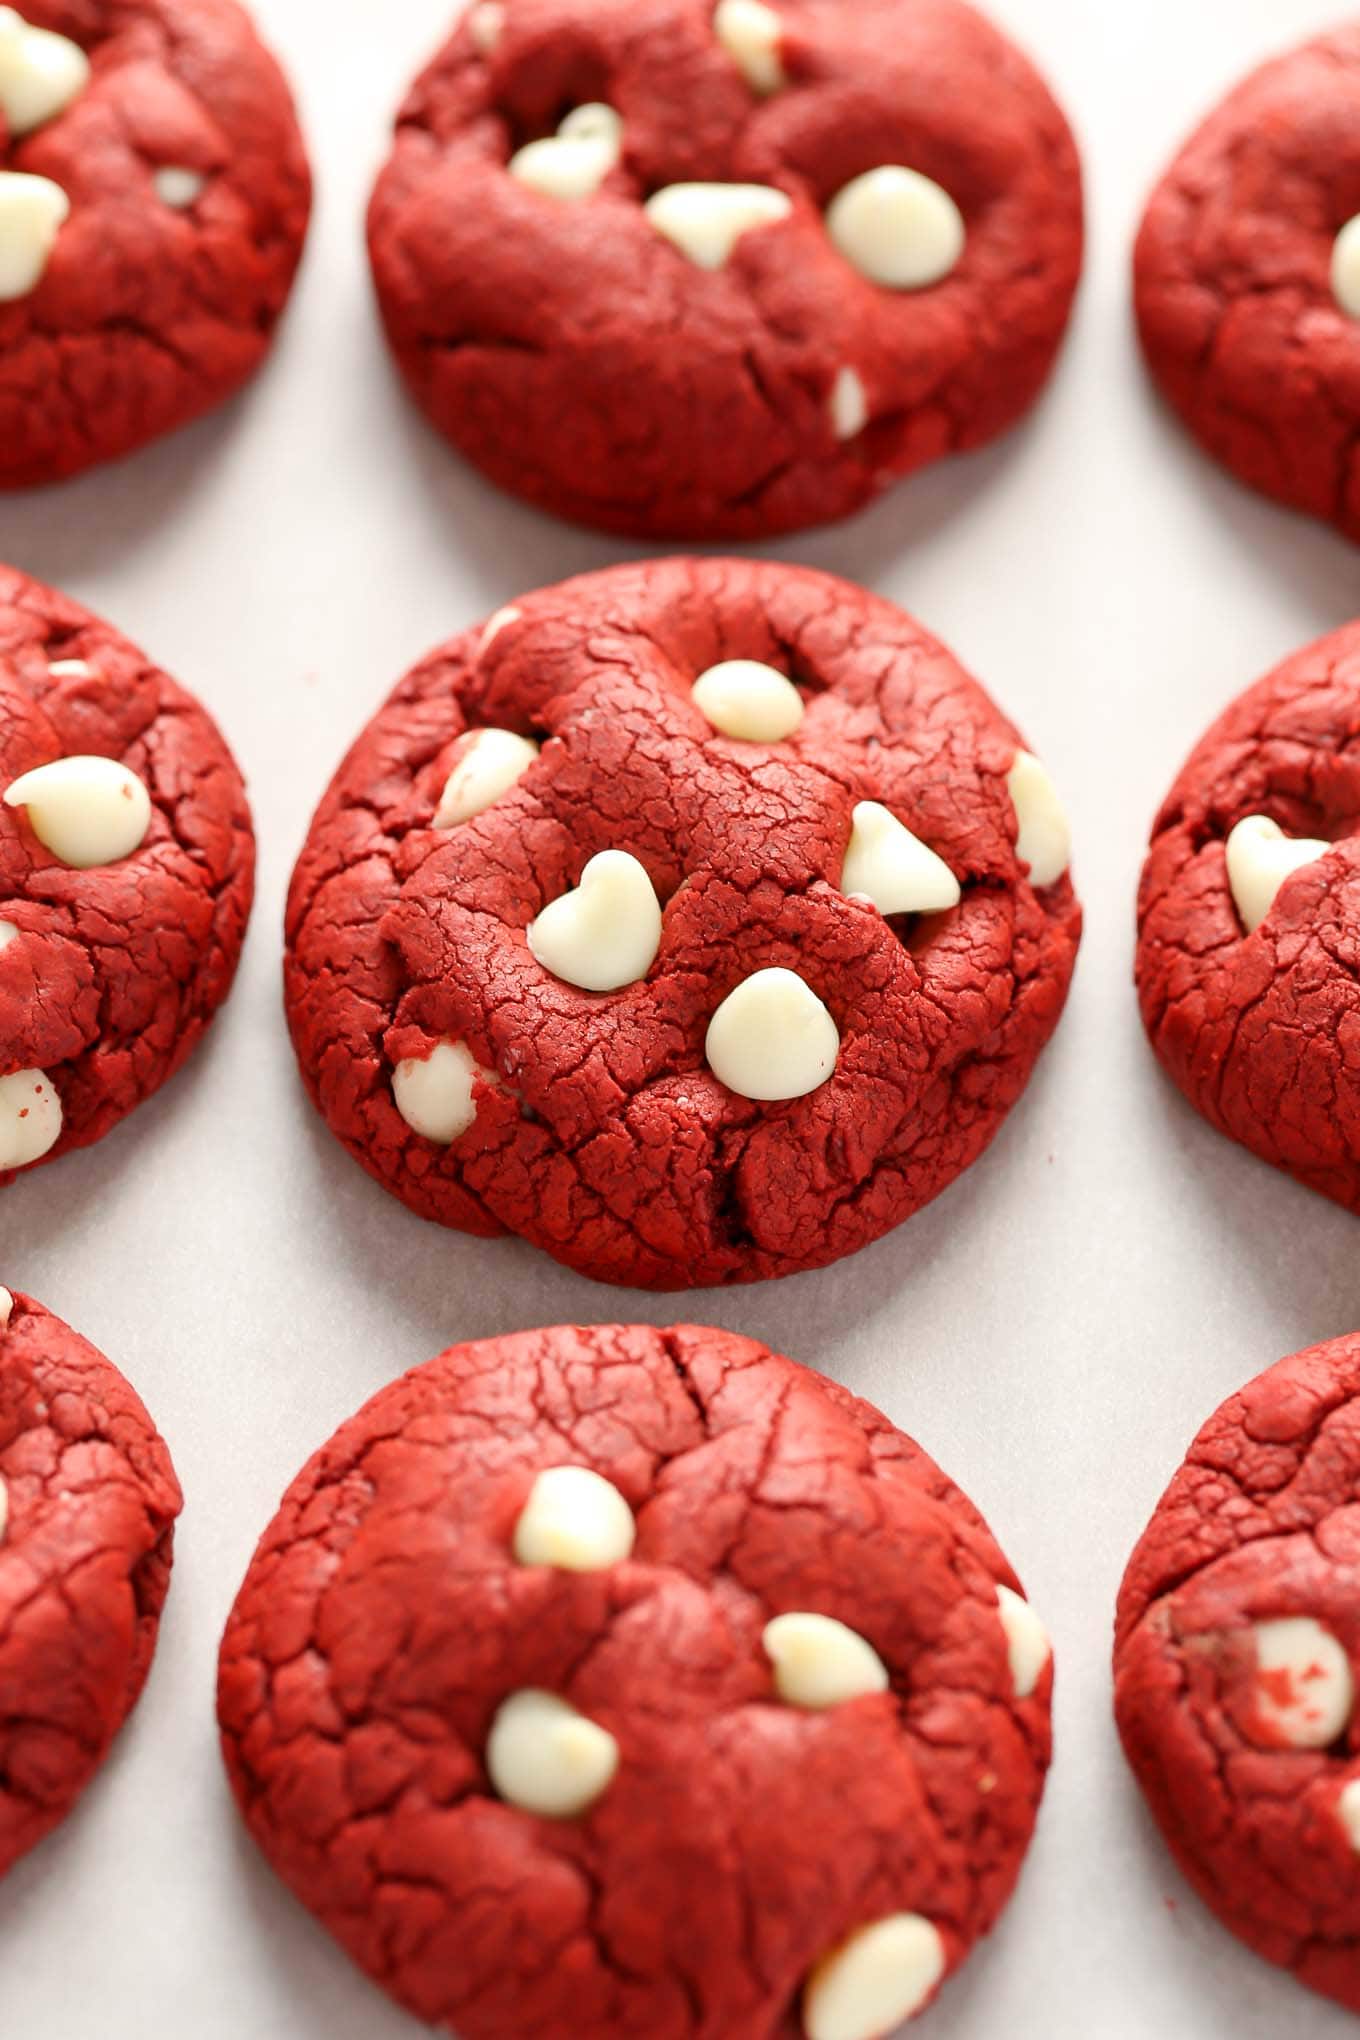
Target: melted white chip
<point>486,25</point>
<point>744,699</point>
<point>1346,268</point>
<point>885,863</point>
<point>1304,1688</point>
<point>177,186</point>
<point>1348,1812</point>
<point>6,1306</point>
<point>488,764</point>
<point>8,933</point>
<point>897,228</point>
<point>71,669</point>
<point>502,620</point>
<point>1044,841</point>
<point>705,221</point>
<point>1027,1644</point>
<point>575,161</point>
<point>31,212</point>
<point>545,1757</point>
<point>772,1038</point>
<point>849,405</point>
<point>576,1520</point>
<point>605,934</point>
<point>434,1094</point>
<point>87,811</point>
<point>1260,858</point>
<point>751,34</point>
<point>40,73</point>
<point>819,1663</point>
<point>875,1979</point>
<point>30,1118</point>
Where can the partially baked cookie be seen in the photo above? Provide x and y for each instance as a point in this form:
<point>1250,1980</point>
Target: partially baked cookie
<point>127,868</point>
<point>154,196</point>
<point>88,1501</point>
<point>1237,1647</point>
<point>719,270</point>
<point>622,1682</point>
<point>1249,920</point>
<point>1247,277</point>
<point>697,920</point>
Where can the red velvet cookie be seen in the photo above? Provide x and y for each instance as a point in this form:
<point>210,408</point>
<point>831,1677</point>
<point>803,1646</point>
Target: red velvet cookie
<point>126,873</point>
<point>699,270</point>
<point>1247,276</point>
<point>1236,1654</point>
<point>1249,920</point>
<point>621,1682</point>
<point>737,972</point>
<point>153,202</point>
<point>88,1501</point>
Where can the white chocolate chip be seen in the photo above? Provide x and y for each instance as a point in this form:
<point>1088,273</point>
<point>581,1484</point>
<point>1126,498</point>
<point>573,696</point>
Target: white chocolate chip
<point>8,933</point>
<point>31,212</point>
<point>546,1758</point>
<point>6,1307</point>
<point>1027,1644</point>
<point>177,186</point>
<point>897,228</point>
<point>30,1118</point>
<point>605,934</point>
<point>40,73</point>
<point>1348,1812</point>
<point>434,1094</point>
<point>743,699</point>
<point>879,1976</point>
<point>1044,841</point>
<point>575,1520</point>
<point>1304,1688</point>
<point>751,34</point>
<point>71,669</point>
<point>1346,268</point>
<point>1260,858</point>
<point>486,25</point>
<point>885,863</point>
<point>849,405</point>
<point>772,1038</point>
<point>86,811</point>
<point>489,762</point>
<point>502,620</point>
<point>705,221</point>
<point>819,1663</point>
<point>575,161</point>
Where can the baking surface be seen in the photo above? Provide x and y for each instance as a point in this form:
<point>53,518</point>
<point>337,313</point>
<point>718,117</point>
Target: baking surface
<point>1054,1329</point>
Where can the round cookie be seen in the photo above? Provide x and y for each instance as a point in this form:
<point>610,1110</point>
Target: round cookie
<point>693,270</point>
<point>1249,920</point>
<point>154,197</point>
<point>1236,1653</point>
<point>622,1681</point>
<point>126,874</point>
<point>697,920</point>
<point>1247,280</point>
<point>88,1501</point>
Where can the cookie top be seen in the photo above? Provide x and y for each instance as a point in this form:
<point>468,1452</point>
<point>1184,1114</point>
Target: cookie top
<point>1249,920</point>
<point>126,874</point>
<point>694,270</point>
<point>704,1670</point>
<point>88,1500</point>
<point>1237,1648</point>
<point>1247,276</point>
<point>738,969</point>
<point>154,196</point>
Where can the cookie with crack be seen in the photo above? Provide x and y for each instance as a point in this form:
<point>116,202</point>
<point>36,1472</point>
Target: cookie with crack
<point>697,920</point>
<point>1237,1648</point>
<point>694,270</point>
<point>621,1681</point>
<point>88,1501</point>
<point>127,868</point>
<point>1247,280</point>
<point>154,196</point>
<point>1248,962</point>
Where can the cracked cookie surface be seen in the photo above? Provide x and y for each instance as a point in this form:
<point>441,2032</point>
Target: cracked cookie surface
<point>437,1033</point>
<point>551,327</point>
<point>109,971</point>
<point>1237,1644</point>
<point>187,194</point>
<point>751,1825</point>
<point>88,1501</point>
<point>1241,299</point>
